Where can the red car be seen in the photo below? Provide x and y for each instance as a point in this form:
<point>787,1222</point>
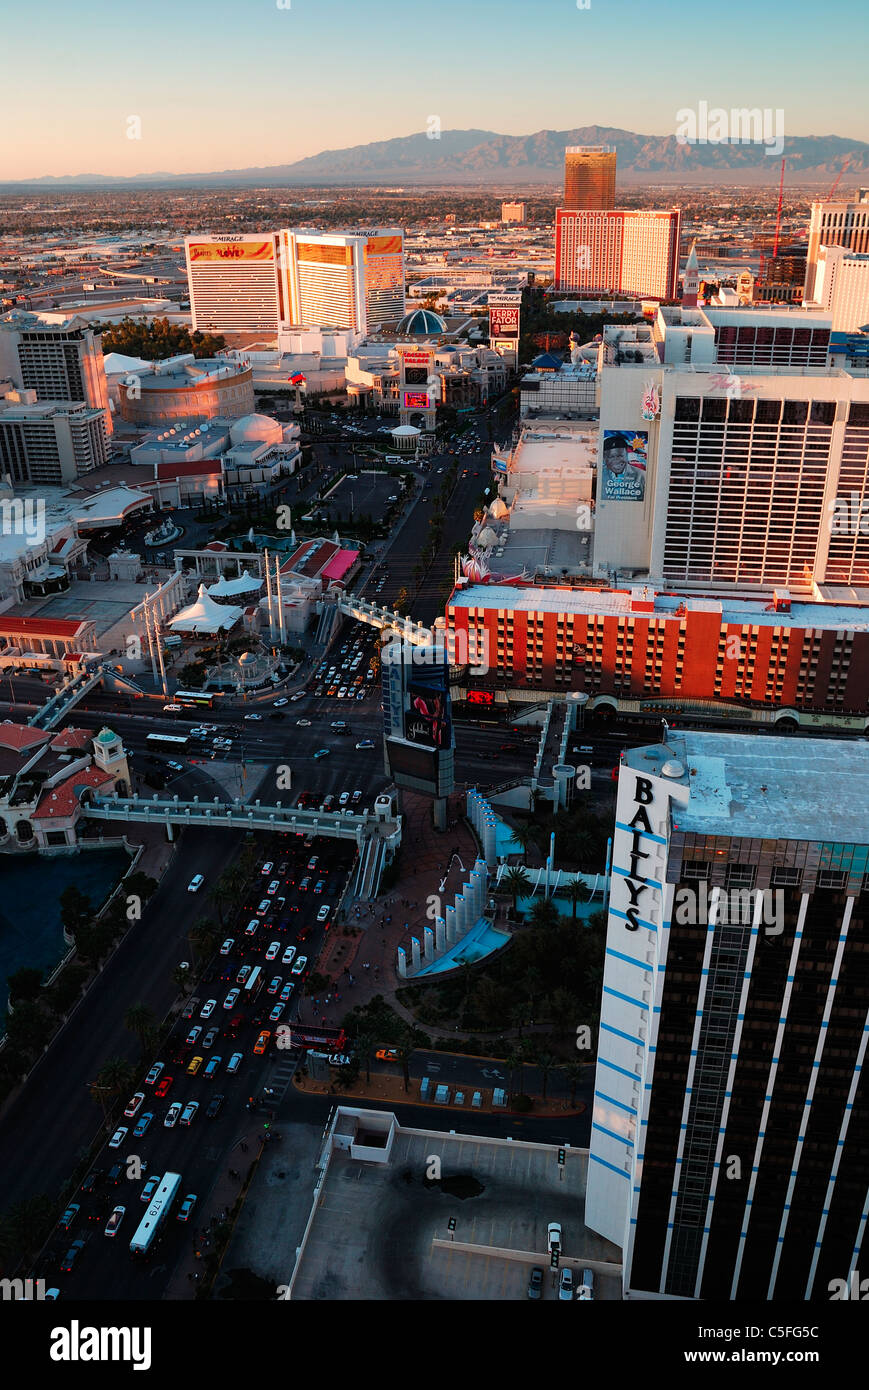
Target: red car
<point>164,1085</point>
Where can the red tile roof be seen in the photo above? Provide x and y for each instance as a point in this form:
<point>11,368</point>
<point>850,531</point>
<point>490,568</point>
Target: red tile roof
<point>11,626</point>
<point>72,738</point>
<point>61,802</point>
<point>21,736</point>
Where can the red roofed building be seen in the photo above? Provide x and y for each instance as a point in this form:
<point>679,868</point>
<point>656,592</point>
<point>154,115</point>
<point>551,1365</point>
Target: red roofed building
<point>64,801</point>
<point>52,636</point>
<point>47,778</point>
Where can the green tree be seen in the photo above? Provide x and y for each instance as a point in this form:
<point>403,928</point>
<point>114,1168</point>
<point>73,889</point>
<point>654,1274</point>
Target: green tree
<point>116,1077</point>
<point>24,984</point>
<point>544,913</point>
<point>574,1072</point>
<point>76,909</point>
<point>143,885</point>
<point>25,1227</point>
<point>183,979</point>
<point>517,883</point>
<point>140,1021</point>
<point>546,1061</point>
<point>27,1028</point>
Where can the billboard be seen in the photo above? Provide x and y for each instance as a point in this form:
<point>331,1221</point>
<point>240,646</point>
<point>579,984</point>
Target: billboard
<point>416,358</point>
<point>416,400</point>
<point>623,472</point>
<point>409,760</point>
<point>504,315</point>
<point>480,697</point>
<point>203,251</point>
<point>427,718</point>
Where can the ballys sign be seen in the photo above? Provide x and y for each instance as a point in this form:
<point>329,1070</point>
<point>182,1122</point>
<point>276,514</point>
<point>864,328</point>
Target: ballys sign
<point>640,848</point>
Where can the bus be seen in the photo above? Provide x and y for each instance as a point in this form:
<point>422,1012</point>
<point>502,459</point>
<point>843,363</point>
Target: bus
<point>254,983</point>
<point>158,1209</point>
<point>178,741</point>
<point>205,698</point>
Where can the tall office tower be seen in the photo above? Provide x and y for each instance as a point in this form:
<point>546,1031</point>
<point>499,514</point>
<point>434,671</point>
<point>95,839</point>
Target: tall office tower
<point>350,279</point>
<point>234,282</point>
<point>589,177</point>
<point>840,223</point>
<point>842,286</point>
<point>731,1115</point>
<point>621,250</point>
<point>52,443</point>
<point>59,360</point>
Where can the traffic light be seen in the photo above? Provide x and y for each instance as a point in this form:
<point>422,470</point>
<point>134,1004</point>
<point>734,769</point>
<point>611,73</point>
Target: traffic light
<point>553,1260</point>
<point>451,1224</point>
<point>561,1156</point>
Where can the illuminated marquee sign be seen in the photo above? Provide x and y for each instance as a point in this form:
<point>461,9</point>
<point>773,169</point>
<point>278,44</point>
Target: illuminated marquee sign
<point>226,250</point>
<point>639,849</point>
<point>416,400</point>
<point>415,358</point>
<point>504,316</point>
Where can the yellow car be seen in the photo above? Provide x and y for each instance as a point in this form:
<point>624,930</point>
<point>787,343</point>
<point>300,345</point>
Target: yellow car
<point>262,1043</point>
<point>193,1065</point>
<point>386,1054</point>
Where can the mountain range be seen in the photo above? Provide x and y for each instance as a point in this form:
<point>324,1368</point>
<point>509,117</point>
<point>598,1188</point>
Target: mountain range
<point>482,157</point>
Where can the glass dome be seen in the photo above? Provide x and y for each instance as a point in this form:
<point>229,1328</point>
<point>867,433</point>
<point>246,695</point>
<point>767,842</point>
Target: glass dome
<point>421,323</point>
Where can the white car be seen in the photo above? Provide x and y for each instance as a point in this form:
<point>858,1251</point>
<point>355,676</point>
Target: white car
<point>323,913</point>
<point>253,716</point>
<point>227,946</point>
<point>137,1101</point>
<point>277,704</point>
<point>288,956</point>
<point>118,1137</point>
<point>267,867</point>
<point>115,1220</point>
<point>303,723</point>
<point>189,1112</point>
<point>252,927</point>
<point>343,798</point>
<point>273,887</point>
<point>234,1062</point>
<point>553,1236</point>
<point>208,1008</point>
<point>172,1115</point>
<point>300,695</point>
<point>195,883</point>
<point>230,999</point>
<point>273,950</point>
<point>299,965</point>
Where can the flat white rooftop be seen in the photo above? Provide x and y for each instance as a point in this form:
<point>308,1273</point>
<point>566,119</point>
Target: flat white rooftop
<point>751,786</point>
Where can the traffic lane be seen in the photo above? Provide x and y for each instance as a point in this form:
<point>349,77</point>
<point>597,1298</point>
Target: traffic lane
<point>54,1118</point>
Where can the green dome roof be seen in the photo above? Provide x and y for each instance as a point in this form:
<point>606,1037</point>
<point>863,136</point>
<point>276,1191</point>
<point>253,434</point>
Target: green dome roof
<point>106,736</point>
<point>421,323</point>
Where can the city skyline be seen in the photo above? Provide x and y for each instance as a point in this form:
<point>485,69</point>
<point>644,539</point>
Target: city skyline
<point>132,115</point>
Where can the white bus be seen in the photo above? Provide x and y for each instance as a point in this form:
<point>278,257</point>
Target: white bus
<point>254,983</point>
<point>158,1210</point>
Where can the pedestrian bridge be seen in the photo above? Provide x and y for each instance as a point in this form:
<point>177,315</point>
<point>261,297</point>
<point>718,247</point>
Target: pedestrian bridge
<point>382,824</point>
<point>64,700</point>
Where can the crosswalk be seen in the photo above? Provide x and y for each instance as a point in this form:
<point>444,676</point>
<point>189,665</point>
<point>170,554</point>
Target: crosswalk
<point>281,1074</point>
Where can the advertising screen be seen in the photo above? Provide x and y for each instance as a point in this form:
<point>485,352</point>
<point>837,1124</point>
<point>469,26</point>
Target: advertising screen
<point>504,315</point>
<point>623,475</point>
<point>201,251</point>
<point>480,697</point>
<point>412,761</point>
<point>427,719</point>
<point>416,400</point>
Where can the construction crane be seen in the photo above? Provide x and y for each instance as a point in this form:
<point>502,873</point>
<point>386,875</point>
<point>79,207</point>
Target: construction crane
<point>781,188</point>
<point>838,178</point>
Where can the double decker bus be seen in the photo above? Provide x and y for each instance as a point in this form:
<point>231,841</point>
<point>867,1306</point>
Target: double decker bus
<point>158,1209</point>
<point>177,741</point>
<point>195,698</point>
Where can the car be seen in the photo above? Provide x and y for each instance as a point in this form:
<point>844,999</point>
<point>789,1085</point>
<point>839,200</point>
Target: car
<point>172,708</point>
<point>322,752</point>
<point>143,1123</point>
<point>565,1286</point>
<point>118,1137</point>
<point>256,717</point>
<point>324,912</point>
<point>252,927</point>
<point>135,1104</point>
<point>283,868</point>
<point>333,689</point>
<point>208,1008</point>
<point>274,985</point>
<point>386,1054</point>
<point>194,1064</point>
<point>585,1292</point>
<point>273,887</point>
<point>340,1059</point>
<point>150,1187</point>
<point>210,1038</point>
<point>342,692</point>
<point>303,723</point>
<point>212,1068</point>
<point>172,1115</point>
<point>114,1221</point>
<point>304,885</point>
<point>273,950</point>
<point>319,885</point>
<point>277,704</point>
<point>163,1088</point>
<point>214,1107</point>
<point>154,1074</point>
<point>286,992</point>
<point>179,767</point>
<point>190,1008</point>
<point>299,965</point>
<point>195,883</point>
<point>313,862</point>
<point>343,798</point>
<point>186,1207</point>
<point>234,1062</point>
<point>356,798</point>
<point>287,957</point>
<point>93,1180</point>
<point>69,1216</point>
<point>553,1236</point>
<point>188,1114</point>
<point>267,868</point>
<point>193,1036</point>
<point>262,1042</point>
<point>227,946</point>
<point>230,999</point>
<point>365,743</point>
<point>264,908</point>
<point>361,694</point>
<point>300,695</point>
<point>71,1256</point>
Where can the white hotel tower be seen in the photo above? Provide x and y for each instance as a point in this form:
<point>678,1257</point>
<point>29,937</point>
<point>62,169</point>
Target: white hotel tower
<point>731,1115</point>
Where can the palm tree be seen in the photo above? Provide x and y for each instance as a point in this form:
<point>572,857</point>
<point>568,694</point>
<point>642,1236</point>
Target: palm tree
<point>203,938</point>
<point>409,1039</point>
<point>115,1077</point>
<point>546,1061</point>
<point>25,1226</point>
<point>520,1015</point>
<point>141,1022</point>
<point>526,837</point>
<point>577,892</point>
<point>562,1010</point>
<point>525,1053</point>
<point>516,881</point>
<point>364,1046</point>
<point>575,1072</point>
<point>513,1060</point>
<point>182,978</point>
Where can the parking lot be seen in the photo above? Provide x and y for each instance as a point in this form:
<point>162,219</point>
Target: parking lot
<point>366,494</point>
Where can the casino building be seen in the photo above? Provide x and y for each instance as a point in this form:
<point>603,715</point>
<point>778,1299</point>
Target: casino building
<point>731,1113</point>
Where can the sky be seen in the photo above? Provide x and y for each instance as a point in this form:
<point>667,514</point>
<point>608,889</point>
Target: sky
<point>237,83</point>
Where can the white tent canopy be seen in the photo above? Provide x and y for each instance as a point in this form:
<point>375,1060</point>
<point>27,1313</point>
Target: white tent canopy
<point>205,616</point>
<point>244,584</point>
